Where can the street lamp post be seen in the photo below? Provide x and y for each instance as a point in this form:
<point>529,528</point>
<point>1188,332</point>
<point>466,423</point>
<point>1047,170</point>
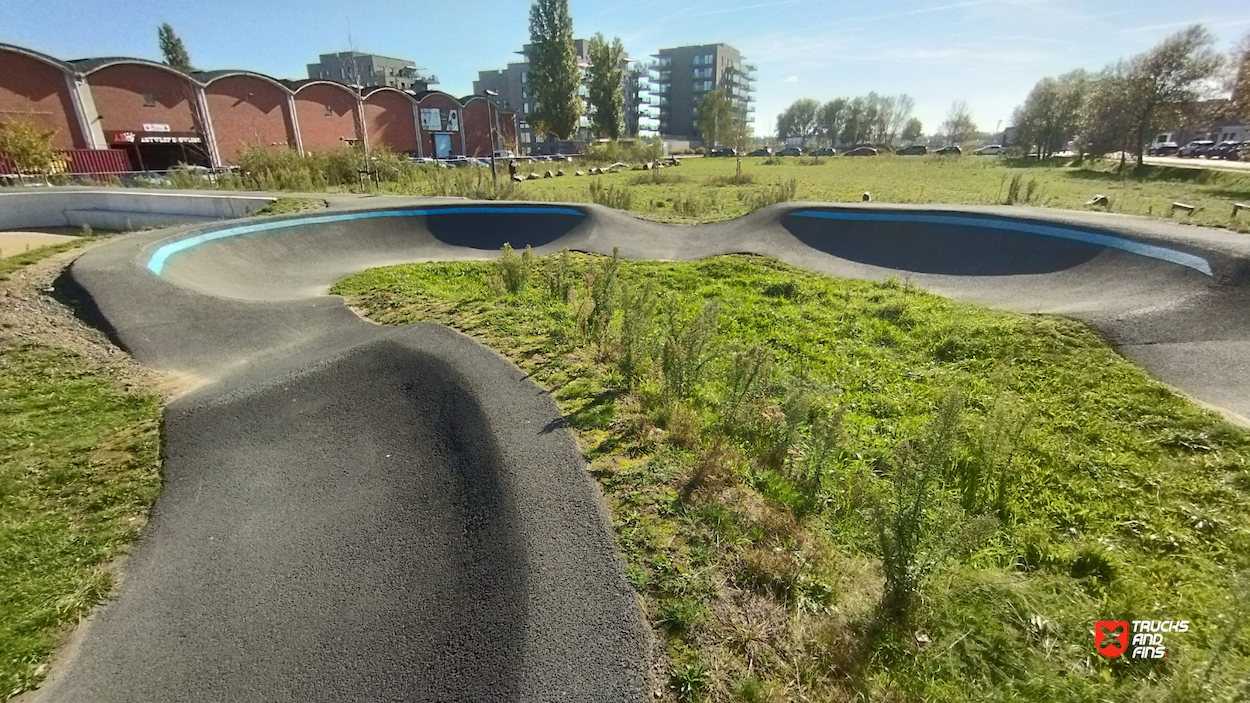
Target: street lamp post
<point>494,176</point>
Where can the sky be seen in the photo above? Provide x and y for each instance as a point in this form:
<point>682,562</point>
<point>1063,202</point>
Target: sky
<point>986,52</point>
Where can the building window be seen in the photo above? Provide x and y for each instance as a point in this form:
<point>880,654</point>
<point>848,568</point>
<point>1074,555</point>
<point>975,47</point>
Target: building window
<point>525,108</point>
<point>329,111</point>
<point>707,59</point>
<point>149,100</point>
<point>525,76</point>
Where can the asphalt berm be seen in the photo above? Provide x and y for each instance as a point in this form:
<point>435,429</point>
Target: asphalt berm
<point>354,512</point>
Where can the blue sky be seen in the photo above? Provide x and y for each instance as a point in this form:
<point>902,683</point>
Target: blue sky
<point>988,52</point>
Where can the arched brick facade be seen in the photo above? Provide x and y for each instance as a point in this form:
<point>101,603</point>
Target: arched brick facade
<point>478,115</point>
<point>121,94</point>
<point>161,117</point>
<point>326,114</point>
<point>36,91</point>
<point>248,110</point>
<point>446,105</point>
<point>391,120</point>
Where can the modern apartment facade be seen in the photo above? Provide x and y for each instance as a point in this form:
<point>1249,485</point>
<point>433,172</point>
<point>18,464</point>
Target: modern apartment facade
<point>369,70</point>
<point>642,104</point>
<point>686,73</point>
<point>512,85</point>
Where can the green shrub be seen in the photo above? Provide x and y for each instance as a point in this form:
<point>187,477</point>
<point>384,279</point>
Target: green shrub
<point>611,196</point>
<point>514,271</point>
<point>782,192</point>
<point>641,150</point>
<point>560,276</point>
<point>917,530</point>
<point>688,348</point>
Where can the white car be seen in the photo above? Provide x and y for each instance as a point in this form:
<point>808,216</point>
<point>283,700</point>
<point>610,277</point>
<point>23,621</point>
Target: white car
<point>989,150</point>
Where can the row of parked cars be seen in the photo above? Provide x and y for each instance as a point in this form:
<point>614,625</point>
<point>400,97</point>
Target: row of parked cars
<point>501,158</point>
<point>1200,148</point>
<point>865,150</point>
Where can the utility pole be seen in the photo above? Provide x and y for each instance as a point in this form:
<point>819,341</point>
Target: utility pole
<point>494,176</point>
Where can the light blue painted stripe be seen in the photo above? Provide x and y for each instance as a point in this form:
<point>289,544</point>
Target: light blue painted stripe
<point>157,263</point>
<point>1106,240</point>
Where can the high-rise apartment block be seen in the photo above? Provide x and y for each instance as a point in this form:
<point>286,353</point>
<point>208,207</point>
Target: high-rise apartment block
<point>367,70</point>
<point>686,73</point>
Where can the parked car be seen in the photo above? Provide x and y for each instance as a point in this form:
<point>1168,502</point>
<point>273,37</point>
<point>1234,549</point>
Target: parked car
<point>763,151</point>
<point>1196,148</point>
<point>825,151</point>
<point>861,151</point>
<point>951,150</point>
<point>1229,151</point>
<point>723,151</point>
<point>790,151</point>
<point>913,150</point>
<point>989,150</point>
<point>1163,149</point>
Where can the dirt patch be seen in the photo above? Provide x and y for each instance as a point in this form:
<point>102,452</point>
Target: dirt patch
<point>29,314</point>
<point>12,243</point>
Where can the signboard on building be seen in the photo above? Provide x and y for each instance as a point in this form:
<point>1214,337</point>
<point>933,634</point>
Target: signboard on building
<point>157,138</point>
<point>434,119</point>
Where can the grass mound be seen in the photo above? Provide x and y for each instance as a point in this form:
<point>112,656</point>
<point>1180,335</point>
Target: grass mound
<point>839,490</point>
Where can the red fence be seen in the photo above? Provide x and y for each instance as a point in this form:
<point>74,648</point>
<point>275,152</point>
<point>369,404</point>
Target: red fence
<point>86,162</point>
<point>97,161</point>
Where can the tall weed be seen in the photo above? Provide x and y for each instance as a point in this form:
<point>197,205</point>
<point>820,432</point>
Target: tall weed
<point>688,347</point>
<point>611,196</point>
<point>782,192</point>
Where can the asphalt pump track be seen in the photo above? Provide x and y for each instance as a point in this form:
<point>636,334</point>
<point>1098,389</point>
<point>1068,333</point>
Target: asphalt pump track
<point>354,512</point>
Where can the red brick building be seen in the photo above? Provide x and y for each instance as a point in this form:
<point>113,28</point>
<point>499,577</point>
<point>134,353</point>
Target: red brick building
<point>158,116</point>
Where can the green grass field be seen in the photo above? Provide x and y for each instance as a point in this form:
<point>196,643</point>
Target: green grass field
<point>768,438</point>
<point>78,473</point>
<point>968,180</point>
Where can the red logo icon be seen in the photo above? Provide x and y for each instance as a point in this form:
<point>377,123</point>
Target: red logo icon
<point>1111,637</point>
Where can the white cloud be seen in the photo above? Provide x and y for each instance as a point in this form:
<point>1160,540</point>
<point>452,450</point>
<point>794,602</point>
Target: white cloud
<point>790,79</point>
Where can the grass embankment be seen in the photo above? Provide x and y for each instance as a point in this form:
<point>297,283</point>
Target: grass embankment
<point>707,190</point>
<point>78,473</point>
<point>833,490</point>
<point>701,190</point>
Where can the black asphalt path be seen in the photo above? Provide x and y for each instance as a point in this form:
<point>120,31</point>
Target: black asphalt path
<point>361,513</point>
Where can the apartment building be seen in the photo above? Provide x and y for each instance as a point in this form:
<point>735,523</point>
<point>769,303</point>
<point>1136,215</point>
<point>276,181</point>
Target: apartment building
<point>512,85</point>
<point>685,74</point>
<point>370,70</point>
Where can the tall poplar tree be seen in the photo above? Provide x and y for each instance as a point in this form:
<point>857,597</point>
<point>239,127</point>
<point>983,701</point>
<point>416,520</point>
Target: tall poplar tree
<point>606,79</point>
<point>172,48</point>
<point>554,76</point>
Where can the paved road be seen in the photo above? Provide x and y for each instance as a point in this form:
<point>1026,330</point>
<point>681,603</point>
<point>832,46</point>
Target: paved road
<point>1214,164</point>
<point>355,512</point>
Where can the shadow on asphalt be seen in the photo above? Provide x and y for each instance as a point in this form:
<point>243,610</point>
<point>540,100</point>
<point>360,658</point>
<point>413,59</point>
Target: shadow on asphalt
<point>940,249</point>
<point>490,231</point>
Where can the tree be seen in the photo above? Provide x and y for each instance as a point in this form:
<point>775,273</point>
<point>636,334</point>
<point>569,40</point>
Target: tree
<point>1051,114</point>
<point>833,118</point>
<point>912,131</point>
<point>554,76</point>
<point>899,116</point>
<point>959,126</point>
<point>716,118</point>
<point>1107,117</point>
<point>1164,83</point>
<point>172,48</point>
<point>1239,78</point>
<point>801,119</point>
<point>606,77</point>
<point>27,147</point>
<point>855,125</point>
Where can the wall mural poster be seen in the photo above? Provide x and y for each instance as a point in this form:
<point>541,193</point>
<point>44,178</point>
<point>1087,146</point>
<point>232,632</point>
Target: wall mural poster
<point>453,121</point>
<point>431,119</point>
